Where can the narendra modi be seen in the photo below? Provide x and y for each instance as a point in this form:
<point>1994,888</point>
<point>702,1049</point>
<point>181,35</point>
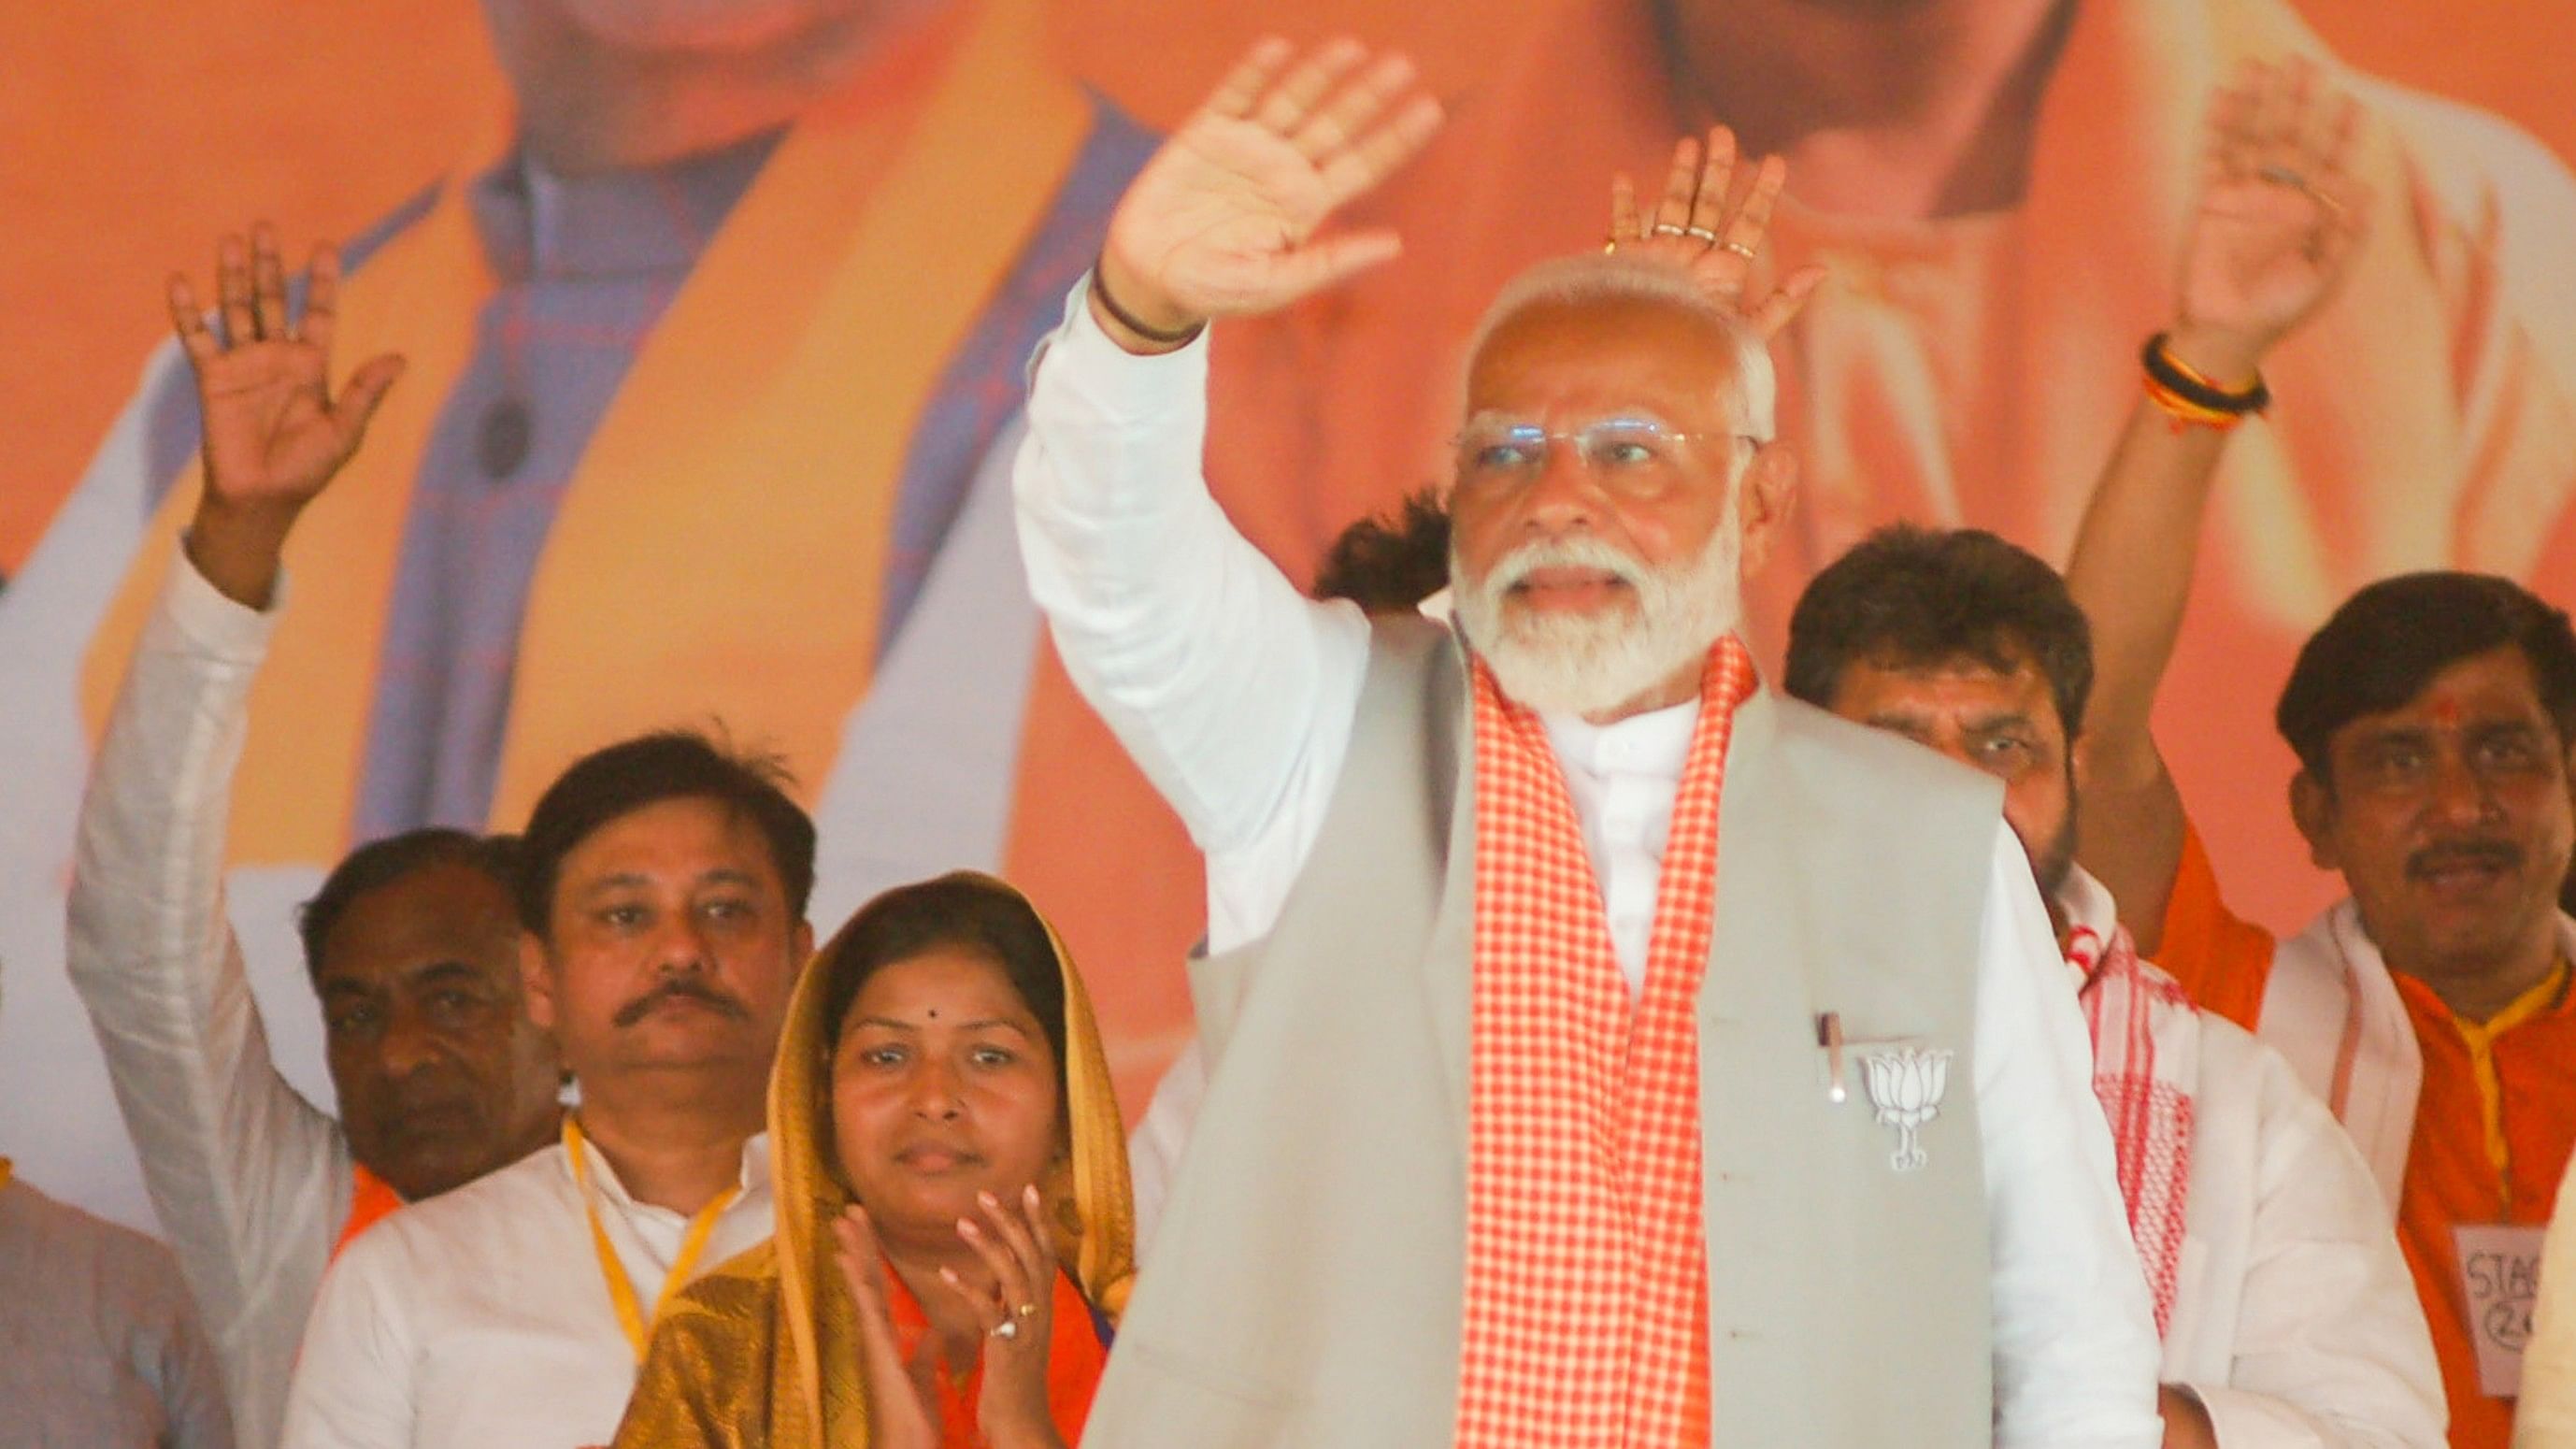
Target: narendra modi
<point>1553,959</point>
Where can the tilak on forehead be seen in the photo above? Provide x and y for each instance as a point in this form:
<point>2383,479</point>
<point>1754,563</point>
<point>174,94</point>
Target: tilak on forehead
<point>2446,711</point>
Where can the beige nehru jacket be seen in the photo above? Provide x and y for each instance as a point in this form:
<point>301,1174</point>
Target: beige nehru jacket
<point>1305,1286</point>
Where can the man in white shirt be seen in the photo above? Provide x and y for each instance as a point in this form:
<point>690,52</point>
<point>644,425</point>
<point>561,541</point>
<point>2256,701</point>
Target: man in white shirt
<point>662,893</point>
<point>2287,1313</point>
<point>1311,1281</point>
<point>411,943</point>
<point>659,900</point>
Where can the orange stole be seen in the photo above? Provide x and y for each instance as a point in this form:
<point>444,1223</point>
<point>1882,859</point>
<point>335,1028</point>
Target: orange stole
<point>1586,1302</point>
<point>717,549</point>
<point>371,1200</point>
<point>1075,1359</point>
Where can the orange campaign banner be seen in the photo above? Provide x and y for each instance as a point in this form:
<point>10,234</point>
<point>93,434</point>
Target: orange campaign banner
<point>779,437</point>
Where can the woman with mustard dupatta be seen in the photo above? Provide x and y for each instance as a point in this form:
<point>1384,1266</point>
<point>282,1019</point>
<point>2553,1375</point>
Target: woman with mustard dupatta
<point>943,1138</point>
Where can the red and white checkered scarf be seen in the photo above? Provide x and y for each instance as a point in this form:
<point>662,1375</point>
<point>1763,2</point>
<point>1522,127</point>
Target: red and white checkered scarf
<point>2146,1057</point>
<point>1587,1286</point>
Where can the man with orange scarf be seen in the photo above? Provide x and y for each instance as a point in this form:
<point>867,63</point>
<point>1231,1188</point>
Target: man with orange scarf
<point>1559,1092</point>
<point>715,354</point>
<point>2433,719</point>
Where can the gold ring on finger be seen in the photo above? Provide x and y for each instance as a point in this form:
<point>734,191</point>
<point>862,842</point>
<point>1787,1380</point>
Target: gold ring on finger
<point>1737,247</point>
<point>1666,228</point>
<point>1701,232</point>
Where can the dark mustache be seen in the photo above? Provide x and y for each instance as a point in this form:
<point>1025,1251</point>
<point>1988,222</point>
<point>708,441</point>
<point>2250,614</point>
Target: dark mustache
<point>674,989</point>
<point>2500,854</point>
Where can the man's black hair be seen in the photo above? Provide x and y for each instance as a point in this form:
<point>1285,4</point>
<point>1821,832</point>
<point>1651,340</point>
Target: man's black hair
<point>2388,641</point>
<point>1388,563</point>
<point>381,863</point>
<point>1910,597</point>
<point>611,783</point>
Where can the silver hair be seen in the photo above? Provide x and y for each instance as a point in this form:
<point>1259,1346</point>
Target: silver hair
<point>1592,277</point>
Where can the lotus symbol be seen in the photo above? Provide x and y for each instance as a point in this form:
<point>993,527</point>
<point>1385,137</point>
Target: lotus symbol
<point>1905,1085</point>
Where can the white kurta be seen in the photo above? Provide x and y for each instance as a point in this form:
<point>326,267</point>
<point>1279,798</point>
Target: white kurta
<point>1236,696</point>
<point>2294,1318</point>
<point>482,1317</point>
<point>250,1180</point>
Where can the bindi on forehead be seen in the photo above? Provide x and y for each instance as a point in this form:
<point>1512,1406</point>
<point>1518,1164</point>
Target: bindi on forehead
<point>2446,712</point>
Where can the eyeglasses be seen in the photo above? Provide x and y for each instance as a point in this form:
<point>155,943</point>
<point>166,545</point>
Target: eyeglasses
<point>1626,453</point>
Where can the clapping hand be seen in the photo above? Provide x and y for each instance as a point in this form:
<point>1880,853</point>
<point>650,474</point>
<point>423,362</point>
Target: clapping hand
<point>1017,1311</point>
<point>1223,220</point>
<point>1695,229</point>
<point>274,434</point>
<point>899,1416</point>
<point>1014,1311</point>
<point>2279,220</point>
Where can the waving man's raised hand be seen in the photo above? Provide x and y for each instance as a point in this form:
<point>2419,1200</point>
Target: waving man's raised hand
<point>1694,227</point>
<point>1224,220</point>
<point>2280,217</point>
<point>274,434</point>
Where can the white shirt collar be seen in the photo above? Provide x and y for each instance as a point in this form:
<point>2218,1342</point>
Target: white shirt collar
<point>604,1179</point>
<point>2086,904</point>
<point>1655,743</point>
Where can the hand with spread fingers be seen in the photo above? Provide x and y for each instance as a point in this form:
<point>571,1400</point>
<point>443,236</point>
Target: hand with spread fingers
<point>1695,228</point>
<point>274,433</point>
<point>898,1405</point>
<point>1223,221</point>
<point>1017,1310</point>
<point>2280,217</point>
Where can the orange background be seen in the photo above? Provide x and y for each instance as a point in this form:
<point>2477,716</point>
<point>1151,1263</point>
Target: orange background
<point>135,136</point>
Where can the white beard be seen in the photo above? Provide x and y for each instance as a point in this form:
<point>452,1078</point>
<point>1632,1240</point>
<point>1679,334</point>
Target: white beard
<point>1592,664</point>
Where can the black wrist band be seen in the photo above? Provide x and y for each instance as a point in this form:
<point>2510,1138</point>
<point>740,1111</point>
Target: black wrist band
<point>1128,320</point>
<point>2170,375</point>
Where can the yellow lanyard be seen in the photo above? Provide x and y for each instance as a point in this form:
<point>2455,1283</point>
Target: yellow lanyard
<point>621,1289</point>
<point>2481,1038</point>
<point>6,1167</point>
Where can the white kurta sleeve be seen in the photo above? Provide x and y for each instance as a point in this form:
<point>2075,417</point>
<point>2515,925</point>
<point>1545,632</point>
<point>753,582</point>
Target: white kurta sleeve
<point>1233,691</point>
<point>250,1181</point>
<point>2329,1347</point>
<point>2075,1352</point>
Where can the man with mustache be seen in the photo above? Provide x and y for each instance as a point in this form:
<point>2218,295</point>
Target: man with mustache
<point>1541,1110</point>
<point>662,900</point>
<point>411,944</point>
<point>2433,716</point>
<point>2291,1321</point>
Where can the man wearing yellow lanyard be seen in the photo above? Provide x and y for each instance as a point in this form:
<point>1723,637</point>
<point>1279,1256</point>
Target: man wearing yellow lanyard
<point>662,894</point>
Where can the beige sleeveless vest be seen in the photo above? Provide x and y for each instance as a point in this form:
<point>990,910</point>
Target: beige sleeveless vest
<point>1305,1285</point>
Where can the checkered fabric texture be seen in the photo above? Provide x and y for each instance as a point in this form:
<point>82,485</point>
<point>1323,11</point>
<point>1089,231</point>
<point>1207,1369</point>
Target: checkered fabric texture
<point>2146,1057</point>
<point>1587,1289</point>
